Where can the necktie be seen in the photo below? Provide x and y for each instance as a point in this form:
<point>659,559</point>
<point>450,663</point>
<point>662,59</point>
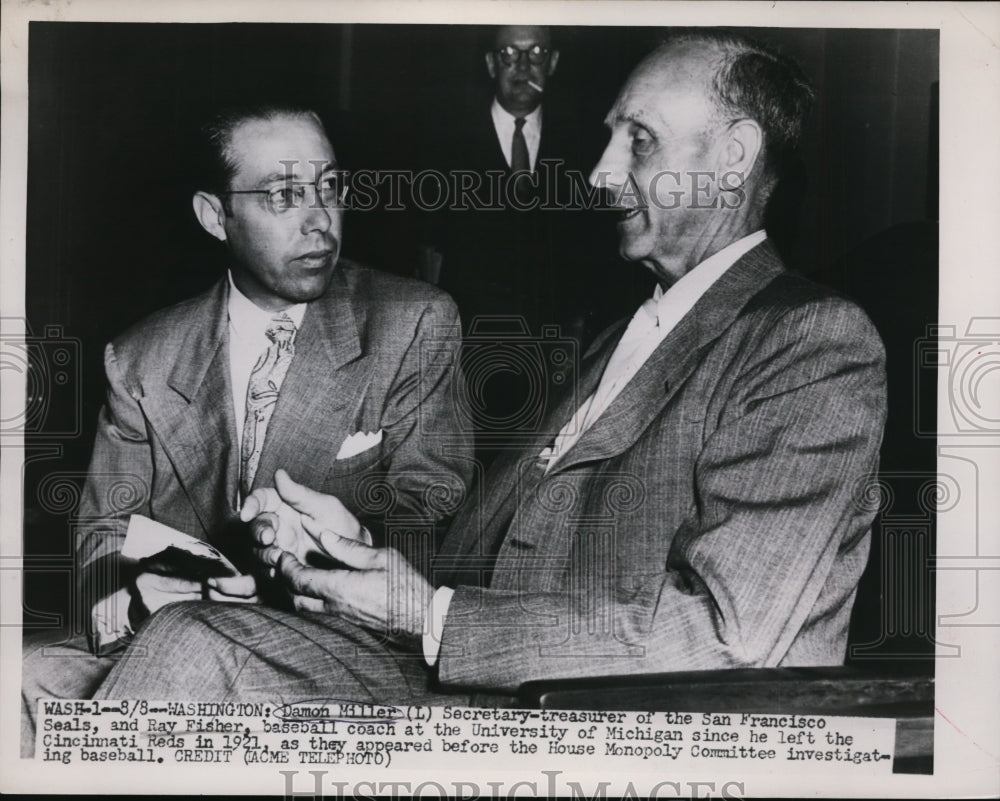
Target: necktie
<point>262,394</point>
<point>519,148</point>
<point>520,162</point>
<point>622,365</point>
<point>627,357</point>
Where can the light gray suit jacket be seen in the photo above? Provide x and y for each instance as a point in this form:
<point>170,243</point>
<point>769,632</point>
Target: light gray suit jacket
<point>166,444</point>
<point>709,519</point>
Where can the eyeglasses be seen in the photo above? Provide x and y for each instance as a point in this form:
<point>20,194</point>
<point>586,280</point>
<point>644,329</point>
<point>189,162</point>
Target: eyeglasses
<point>511,55</point>
<point>328,192</point>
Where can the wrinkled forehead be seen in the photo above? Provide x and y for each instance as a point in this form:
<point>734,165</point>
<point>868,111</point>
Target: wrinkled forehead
<point>668,91</point>
<point>523,36</point>
<point>283,147</point>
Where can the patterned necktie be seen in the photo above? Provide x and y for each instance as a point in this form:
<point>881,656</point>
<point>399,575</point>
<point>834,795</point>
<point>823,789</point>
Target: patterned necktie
<point>262,394</point>
<point>520,162</point>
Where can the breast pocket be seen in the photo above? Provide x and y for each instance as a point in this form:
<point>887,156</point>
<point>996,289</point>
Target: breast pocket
<point>358,462</point>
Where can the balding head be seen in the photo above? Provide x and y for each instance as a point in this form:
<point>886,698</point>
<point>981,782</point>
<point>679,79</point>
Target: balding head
<point>694,146</point>
<point>744,79</point>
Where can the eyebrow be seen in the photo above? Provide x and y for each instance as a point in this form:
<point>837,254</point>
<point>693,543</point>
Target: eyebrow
<point>273,177</point>
<point>638,117</point>
<point>277,177</point>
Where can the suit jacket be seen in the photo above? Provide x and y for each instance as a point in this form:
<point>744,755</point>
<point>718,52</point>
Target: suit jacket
<point>376,352</point>
<point>711,518</point>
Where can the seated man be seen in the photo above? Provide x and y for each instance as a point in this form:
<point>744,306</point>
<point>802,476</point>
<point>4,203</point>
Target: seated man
<point>295,358</point>
<point>698,508</point>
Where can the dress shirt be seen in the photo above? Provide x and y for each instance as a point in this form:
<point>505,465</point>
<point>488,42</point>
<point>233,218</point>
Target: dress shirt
<point>503,122</point>
<point>247,341</point>
<point>650,325</point>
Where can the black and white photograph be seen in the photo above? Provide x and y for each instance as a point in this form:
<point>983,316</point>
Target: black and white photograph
<point>589,400</point>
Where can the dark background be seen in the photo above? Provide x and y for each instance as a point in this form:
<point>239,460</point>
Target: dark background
<point>111,237</point>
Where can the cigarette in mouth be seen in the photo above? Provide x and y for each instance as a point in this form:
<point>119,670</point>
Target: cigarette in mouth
<point>535,86</point>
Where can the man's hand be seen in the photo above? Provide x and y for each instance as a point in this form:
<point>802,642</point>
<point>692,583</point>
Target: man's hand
<point>153,591</point>
<point>277,519</point>
<point>233,589</point>
<point>383,592</point>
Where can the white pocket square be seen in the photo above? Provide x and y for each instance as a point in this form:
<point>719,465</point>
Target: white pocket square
<point>359,442</point>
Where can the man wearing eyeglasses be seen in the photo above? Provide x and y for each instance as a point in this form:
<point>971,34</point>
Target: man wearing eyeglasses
<point>295,359</point>
<point>520,64</point>
<point>511,249</point>
<point>510,151</point>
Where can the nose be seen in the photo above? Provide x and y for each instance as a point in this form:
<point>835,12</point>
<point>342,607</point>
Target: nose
<point>612,168</point>
<point>317,217</point>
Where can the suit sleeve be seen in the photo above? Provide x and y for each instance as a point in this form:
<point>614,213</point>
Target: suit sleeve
<point>774,510</point>
<point>117,486</point>
<point>430,465</point>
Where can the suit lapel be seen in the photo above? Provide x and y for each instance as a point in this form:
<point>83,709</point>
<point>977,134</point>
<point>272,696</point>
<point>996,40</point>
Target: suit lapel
<point>325,383</point>
<point>485,140</point>
<point>195,422</point>
<point>659,379</point>
<point>484,520</point>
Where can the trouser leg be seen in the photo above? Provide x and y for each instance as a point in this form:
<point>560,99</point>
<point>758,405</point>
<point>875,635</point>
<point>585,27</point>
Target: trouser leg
<point>56,667</point>
<point>211,651</point>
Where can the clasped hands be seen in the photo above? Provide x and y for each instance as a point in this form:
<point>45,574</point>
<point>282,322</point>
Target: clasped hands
<point>378,590</point>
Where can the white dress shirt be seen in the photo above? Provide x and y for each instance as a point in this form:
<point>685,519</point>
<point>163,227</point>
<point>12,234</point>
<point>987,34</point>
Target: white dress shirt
<point>503,122</point>
<point>247,341</point>
<point>650,325</point>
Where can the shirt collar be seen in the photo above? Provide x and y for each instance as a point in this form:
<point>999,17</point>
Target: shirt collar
<point>504,120</point>
<point>248,319</point>
<point>686,292</point>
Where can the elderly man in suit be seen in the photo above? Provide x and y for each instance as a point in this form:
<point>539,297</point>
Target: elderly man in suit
<point>698,508</point>
<point>295,359</point>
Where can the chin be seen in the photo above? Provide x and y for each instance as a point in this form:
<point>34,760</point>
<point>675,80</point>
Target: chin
<point>309,289</point>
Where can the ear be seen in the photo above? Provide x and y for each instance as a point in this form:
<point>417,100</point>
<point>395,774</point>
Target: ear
<point>743,146</point>
<point>553,60</point>
<point>210,213</point>
<point>491,64</point>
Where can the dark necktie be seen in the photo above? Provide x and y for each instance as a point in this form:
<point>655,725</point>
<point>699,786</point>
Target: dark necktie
<point>519,148</point>
<point>262,394</point>
<point>520,162</point>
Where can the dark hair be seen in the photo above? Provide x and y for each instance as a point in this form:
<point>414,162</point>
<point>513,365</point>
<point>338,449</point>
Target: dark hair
<point>754,81</point>
<point>219,166</point>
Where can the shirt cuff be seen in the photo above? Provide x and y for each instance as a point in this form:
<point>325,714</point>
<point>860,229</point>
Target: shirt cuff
<point>436,614</point>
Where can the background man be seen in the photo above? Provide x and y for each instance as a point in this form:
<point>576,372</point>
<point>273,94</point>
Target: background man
<point>295,358</point>
<point>517,246</point>
<point>494,143</point>
<point>697,509</point>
